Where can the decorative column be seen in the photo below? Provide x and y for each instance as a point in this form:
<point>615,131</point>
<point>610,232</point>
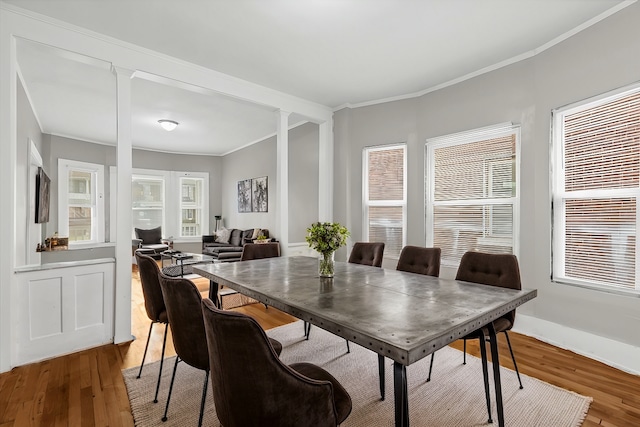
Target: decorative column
<point>123,223</point>
<point>325,169</point>
<point>282,174</point>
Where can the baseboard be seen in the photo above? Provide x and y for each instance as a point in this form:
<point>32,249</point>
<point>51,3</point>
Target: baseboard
<point>622,356</point>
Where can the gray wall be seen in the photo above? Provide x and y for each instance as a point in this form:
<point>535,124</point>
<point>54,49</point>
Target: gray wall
<point>260,160</point>
<point>599,59</point>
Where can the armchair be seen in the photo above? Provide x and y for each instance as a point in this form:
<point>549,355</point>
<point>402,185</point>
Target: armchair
<point>151,241</point>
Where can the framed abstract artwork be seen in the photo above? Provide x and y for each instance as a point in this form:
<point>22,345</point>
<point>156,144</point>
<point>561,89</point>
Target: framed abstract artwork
<point>260,194</point>
<point>244,195</point>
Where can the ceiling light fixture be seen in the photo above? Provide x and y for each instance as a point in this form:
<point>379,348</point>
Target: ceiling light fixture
<point>168,125</point>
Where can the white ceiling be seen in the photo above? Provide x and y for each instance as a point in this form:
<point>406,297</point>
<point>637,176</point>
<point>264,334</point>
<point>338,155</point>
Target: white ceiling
<point>333,52</point>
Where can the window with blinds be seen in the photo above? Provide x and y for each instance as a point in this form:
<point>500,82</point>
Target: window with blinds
<point>385,197</point>
<point>472,192</point>
<point>596,180</point>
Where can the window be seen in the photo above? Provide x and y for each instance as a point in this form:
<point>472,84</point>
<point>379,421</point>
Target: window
<point>81,202</point>
<point>596,178</point>
<point>471,200</point>
<point>192,195</point>
<point>385,197</point>
<point>176,201</point>
<point>147,197</point>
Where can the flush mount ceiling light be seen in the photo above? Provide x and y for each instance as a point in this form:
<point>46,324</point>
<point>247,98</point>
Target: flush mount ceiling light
<point>168,125</point>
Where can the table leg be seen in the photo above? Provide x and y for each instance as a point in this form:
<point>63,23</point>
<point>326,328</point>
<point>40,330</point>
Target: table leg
<point>381,375</point>
<point>496,373</point>
<point>213,294</point>
<point>401,395</point>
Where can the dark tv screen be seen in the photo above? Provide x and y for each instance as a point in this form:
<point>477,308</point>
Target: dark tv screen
<point>42,196</point>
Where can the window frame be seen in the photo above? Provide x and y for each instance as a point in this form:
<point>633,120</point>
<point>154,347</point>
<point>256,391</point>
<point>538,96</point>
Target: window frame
<point>98,208</point>
<point>469,137</point>
<point>559,194</point>
<point>366,203</point>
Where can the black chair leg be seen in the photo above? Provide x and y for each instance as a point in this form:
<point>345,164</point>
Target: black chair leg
<point>164,345</point>
<point>381,375</point>
<point>430,366</point>
<point>513,358</point>
<point>144,355</point>
<point>204,397</point>
<point>348,349</point>
<point>307,330</point>
<point>464,352</point>
<point>485,373</point>
<point>173,377</point>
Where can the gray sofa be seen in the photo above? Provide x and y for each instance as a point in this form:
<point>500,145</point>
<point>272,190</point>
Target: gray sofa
<point>232,251</point>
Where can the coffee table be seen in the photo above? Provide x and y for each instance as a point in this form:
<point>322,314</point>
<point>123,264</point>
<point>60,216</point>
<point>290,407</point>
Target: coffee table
<point>181,262</point>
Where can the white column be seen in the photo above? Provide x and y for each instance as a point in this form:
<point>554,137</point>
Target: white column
<point>282,174</point>
<point>325,167</point>
<point>9,144</point>
<point>122,301</point>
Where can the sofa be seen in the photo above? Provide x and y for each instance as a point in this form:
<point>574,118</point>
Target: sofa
<point>229,250</point>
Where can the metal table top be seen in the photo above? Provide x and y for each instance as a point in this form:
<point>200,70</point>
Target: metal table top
<point>402,316</point>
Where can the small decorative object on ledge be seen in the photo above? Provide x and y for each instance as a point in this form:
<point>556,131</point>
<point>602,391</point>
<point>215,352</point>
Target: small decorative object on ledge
<point>326,238</point>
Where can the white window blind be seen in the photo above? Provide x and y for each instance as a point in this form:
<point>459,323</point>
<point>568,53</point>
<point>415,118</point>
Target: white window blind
<point>596,186</point>
<point>385,196</point>
<point>472,197</point>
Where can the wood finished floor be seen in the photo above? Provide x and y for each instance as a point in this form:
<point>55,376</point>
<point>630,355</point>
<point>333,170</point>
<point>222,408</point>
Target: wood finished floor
<point>87,389</point>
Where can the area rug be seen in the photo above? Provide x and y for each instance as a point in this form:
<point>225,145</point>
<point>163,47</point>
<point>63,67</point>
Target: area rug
<point>454,397</point>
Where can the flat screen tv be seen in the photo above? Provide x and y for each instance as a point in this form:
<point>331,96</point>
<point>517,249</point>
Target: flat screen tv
<point>42,196</point>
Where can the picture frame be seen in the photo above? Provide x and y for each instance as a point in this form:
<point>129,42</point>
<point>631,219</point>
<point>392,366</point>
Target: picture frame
<point>244,196</point>
<point>43,184</point>
<point>260,194</point>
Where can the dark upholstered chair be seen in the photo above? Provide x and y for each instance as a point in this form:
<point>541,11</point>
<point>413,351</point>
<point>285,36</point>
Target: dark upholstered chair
<point>416,259</point>
<point>253,387</point>
<point>187,329</point>
<point>151,240</point>
<point>154,304</point>
<point>367,253</point>
<point>495,270</point>
<point>260,250</point>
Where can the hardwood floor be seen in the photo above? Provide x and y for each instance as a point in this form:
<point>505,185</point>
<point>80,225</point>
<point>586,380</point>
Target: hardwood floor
<point>87,389</point>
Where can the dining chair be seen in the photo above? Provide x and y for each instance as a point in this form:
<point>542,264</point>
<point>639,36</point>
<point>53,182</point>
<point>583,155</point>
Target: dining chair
<point>260,251</point>
<point>495,270</point>
<point>149,273</point>
<point>253,387</point>
<point>183,301</point>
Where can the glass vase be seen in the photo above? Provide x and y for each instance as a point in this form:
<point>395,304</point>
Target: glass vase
<point>326,264</point>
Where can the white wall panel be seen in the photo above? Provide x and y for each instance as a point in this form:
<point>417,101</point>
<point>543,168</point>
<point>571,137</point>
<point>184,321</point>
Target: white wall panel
<point>45,307</point>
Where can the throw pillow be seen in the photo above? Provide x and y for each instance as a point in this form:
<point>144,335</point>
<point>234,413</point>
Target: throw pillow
<point>256,233</point>
<point>222,235</point>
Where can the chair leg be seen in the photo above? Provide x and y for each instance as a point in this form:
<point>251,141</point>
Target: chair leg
<point>307,330</point>
<point>430,366</point>
<point>381,375</point>
<point>173,377</point>
<point>204,396</point>
<point>485,373</point>
<point>164,345</point>
<point>144,355</point>
<point>348,349</point>
<point>464,352</point>
<point>513,358</point>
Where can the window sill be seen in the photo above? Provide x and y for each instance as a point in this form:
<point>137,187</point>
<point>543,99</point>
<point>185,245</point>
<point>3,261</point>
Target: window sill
<point>599,288</point>
<point>85,246</point>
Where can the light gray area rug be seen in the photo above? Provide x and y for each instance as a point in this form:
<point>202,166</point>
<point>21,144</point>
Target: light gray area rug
<point>454,397</point>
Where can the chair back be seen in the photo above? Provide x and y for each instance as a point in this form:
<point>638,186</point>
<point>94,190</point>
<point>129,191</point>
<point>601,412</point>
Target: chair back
<point>491,269</point>
<point>251,384</point>
<point>260,250</point>
<point>150,278</point>
<point>149,237</point>
<point>416,259</point>
<point>367,253</point>
<point>182,299</point>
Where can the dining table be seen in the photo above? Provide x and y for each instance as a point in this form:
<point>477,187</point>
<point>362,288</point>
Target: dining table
<point>399,315</point>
